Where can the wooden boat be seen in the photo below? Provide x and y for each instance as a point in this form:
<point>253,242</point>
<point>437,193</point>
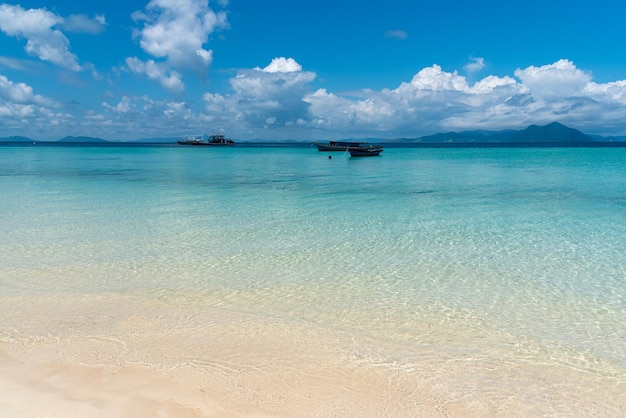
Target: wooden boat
<point>337,145</point>
<point>365,151</point>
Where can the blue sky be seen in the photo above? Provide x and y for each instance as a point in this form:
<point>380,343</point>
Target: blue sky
<point>280,70</point>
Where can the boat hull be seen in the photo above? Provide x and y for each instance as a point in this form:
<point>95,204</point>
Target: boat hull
<point>336,145</point>
<point>322,147</point>
<point>371,151</point>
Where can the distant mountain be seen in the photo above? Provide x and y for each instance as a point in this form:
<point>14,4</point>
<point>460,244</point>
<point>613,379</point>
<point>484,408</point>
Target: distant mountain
<point>81,139</point>
<point>451,137</point>
<point>551,133</point>
<point>16,139</point>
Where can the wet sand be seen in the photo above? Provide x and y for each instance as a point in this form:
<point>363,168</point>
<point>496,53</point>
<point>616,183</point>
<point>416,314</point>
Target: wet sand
<point>105,356</point>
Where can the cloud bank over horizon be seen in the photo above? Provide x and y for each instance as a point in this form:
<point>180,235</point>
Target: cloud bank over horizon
<point>276,100</point>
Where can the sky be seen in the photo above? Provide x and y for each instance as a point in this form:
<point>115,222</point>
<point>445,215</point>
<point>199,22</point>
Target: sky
<point>288,70</point>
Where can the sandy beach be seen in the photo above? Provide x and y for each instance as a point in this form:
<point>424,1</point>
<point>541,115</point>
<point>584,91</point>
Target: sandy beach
<point>149,358</point>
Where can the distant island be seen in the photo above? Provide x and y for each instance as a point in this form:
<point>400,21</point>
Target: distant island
<point>548,134</point>
<point>16,139</point>
<point>77,139</point>
<point>553,133</point>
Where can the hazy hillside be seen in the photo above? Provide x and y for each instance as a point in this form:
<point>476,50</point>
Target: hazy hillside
<point>81,139</point>
<point>551,133</point>
<point>16,139</point>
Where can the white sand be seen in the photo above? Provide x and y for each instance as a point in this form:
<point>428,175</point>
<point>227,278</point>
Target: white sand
<point>136,357</point>
<point>87,391</point>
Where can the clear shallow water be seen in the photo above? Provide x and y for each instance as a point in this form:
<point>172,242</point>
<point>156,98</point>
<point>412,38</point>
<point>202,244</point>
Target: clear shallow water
<point>525,246</point>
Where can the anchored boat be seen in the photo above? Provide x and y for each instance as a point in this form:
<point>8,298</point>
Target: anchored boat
<point>356,149</point>
<point>365,151</point>
<point>213,139</point>
<point>337,145</point>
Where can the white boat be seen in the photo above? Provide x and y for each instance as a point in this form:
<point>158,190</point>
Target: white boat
<point>213,139</point>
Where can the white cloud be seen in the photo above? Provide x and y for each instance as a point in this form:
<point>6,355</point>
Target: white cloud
<point>613,92</point>
<point>124,106</point>
<point>177,31</point>
<point>15,21</point>
<point>21,109</point>
<point>20,93</point>
<point>433,101</point>
<point>434,78</point>
<point>436,100</point>
<point>280,101</point>
<point>11,111</point>
<point>141,114</point>
<point>475,65</point>
<point>268,97</point>
<point>282,65</point>
<point>177,109</point>
<point>37,26</point>
<point>159,72</point>
<point>492,82</point>
<point>554,81</point>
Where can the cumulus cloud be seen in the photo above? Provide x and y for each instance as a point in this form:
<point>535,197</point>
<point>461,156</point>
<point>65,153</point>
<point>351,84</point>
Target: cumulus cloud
<point>21,108</point>
<point>475,65</point>
<point>153,118</point>
<point>178,30</point>
<point>436,100</point>
<point>159,72</point>
<point>613,92</point>
<point>434,78</point>
<point>279,101</point>
<point>37,26</point>
<point>272,96</point>
<point>125,105</point>
<point>554,81</point>
<point>282,65</point>
<point>11,111</point>
<point>20,93</point>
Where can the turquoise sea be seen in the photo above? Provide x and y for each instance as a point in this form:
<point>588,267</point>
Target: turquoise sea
<point>493,277</point>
